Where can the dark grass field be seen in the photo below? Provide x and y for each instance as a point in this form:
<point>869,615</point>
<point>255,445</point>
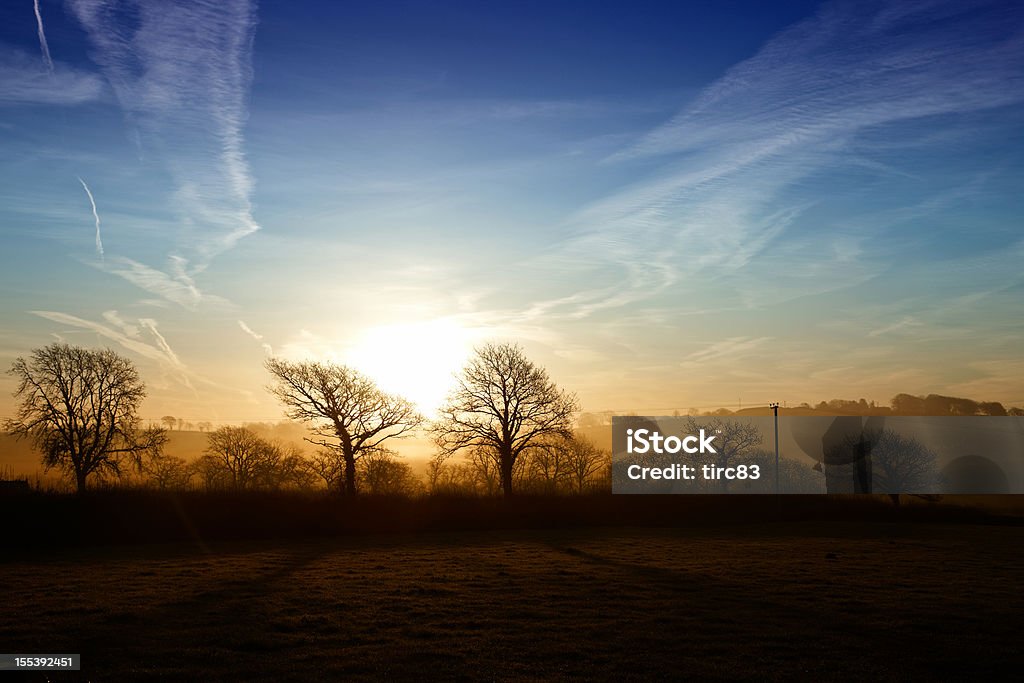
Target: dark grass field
<point>833,599</point>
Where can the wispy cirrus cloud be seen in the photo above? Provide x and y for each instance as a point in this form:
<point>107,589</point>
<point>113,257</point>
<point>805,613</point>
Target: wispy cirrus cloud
<point>144,339</point>
<point>173,284</point>
<point>181,73</point>
<point>128,336</point>
<point>905,323</point>
<point>730,349</point>
<point>725,188</point>
<point>23,80</point>
<point>850,67</point>
<point>128,329</point>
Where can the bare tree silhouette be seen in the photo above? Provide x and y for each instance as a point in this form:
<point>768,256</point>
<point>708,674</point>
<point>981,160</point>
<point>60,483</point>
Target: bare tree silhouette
<point>239,458</point>
<point>381,473</point>
<point>80,408</point>
<point>291,470</point>
<point>348,411</point>
<point>584,461</point>
<point>329,465</point>
<point>901,464</point>
<point>447,478</point>
<point>547,465</point>
<point>211,473</point>
<point>242,455</point>
<point>486,467</point>
<point>503,402</point>
<point>166,472</point>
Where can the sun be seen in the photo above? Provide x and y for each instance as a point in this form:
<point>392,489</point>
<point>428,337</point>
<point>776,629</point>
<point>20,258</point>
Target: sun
<point>417,361</point>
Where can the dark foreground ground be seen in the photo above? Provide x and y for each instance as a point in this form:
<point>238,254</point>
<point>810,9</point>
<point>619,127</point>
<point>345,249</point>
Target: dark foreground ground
<point>824,600</point>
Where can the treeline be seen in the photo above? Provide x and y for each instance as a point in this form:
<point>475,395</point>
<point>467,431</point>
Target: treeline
<point>560,465</point>
<point>900,404</point>
<point>241,459</point>
<point>935,404</point>
<point>909,404</point>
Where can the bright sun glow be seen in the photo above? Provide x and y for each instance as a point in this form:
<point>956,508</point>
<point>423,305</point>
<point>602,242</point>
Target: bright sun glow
<point>415,360</point>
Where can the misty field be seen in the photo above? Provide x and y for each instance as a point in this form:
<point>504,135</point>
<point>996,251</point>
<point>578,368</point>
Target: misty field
<point>815,600</point>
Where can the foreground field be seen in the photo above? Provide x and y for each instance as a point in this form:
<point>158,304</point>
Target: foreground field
<point>814,600</point>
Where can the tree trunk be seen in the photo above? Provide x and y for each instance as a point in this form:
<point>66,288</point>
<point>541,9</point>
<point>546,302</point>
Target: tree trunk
<point>506,474</point>
<point>350,475</point>
<point>80,481</point>
<point>348,453</point>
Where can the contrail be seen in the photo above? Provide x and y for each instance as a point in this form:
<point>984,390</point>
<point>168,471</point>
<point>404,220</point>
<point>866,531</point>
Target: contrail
<point>162,344</point>
<point>248,331</point>
<point>99,240</point>
<point>258,337</point>
<point>42,38</point>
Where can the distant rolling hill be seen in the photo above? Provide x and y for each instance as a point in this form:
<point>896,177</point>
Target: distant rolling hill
<point>18,458</point>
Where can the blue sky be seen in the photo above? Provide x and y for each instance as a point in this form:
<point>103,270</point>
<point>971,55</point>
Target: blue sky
<point>669,205</point>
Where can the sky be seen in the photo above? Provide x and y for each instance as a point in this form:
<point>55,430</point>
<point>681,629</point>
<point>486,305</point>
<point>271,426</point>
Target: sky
<point>668,205</point>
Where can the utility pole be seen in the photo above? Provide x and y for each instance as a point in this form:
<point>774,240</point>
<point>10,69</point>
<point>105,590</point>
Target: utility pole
<point>775,411</point>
